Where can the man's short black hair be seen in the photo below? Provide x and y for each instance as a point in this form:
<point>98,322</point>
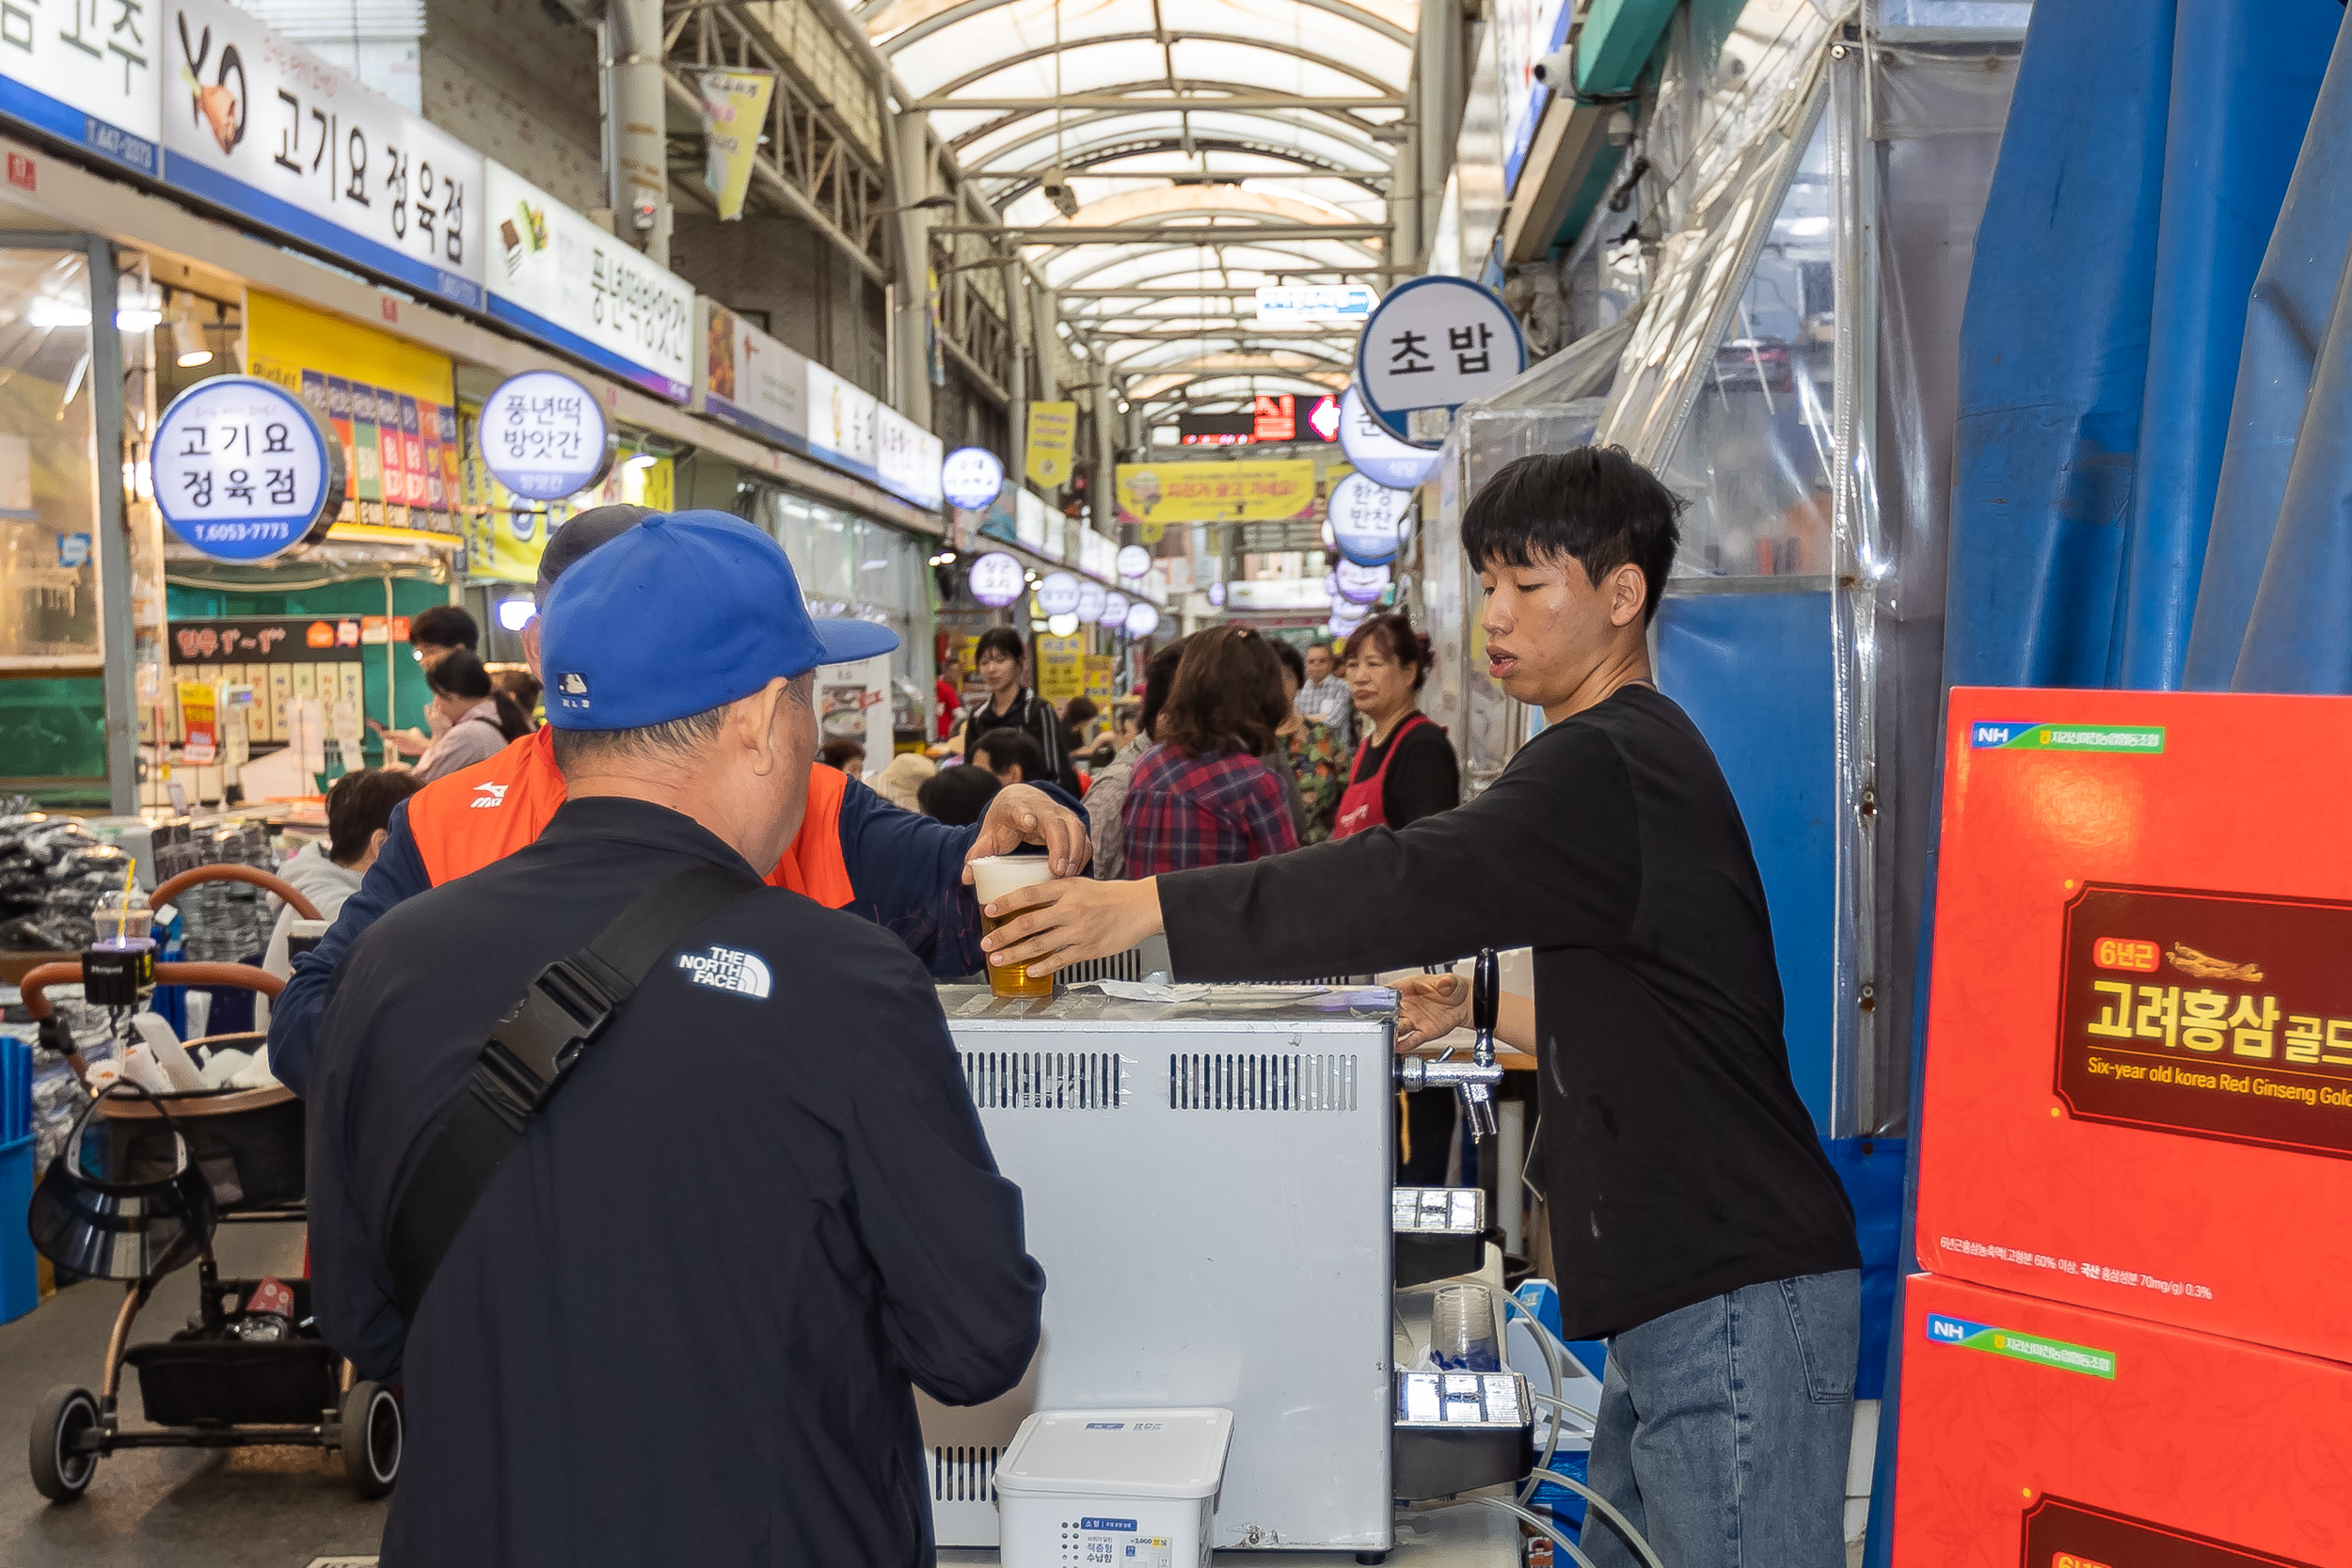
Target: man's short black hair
<point>1005,747</point>
<point>1593,504</point>
<point>361,802</point>
<point>444,625</point>
<point>957,796</point>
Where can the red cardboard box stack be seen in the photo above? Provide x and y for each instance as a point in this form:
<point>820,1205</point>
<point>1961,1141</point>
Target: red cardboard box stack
<point>2135,1150</point>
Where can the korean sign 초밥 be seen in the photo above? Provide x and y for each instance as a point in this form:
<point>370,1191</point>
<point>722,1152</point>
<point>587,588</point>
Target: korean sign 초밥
<point>87,75</point>
<point>568,282</point>
<point>1434,344</point>
<point>263,128</point>
<point>244,470</point>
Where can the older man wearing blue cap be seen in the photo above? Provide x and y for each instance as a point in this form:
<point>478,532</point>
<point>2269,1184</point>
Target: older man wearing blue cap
<point>657,1187</point>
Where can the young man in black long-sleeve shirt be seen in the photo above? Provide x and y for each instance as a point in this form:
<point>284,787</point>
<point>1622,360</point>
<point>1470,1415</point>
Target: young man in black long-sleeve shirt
<point>1696,1222</point>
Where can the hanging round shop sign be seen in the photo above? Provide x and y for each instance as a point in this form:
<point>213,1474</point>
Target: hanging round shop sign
<point>1361,584</point>
<point>1368,520</point>
<point>1090,599</point>
<point>1217,595</point>
<point>545,436</point>
<point>1432,345</point>
<point>245,470</point>
<point>996,579</point>
<point>1114,610</point>
<point>1134,561</point>
<point>1376,454</point>
<point>1057,594</point>
<point>1143,619</point>
<point>971,477</point>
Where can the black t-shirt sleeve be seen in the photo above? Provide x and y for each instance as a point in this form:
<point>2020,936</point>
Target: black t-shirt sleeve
<point>1423,778</point>
<point>1548,856</point>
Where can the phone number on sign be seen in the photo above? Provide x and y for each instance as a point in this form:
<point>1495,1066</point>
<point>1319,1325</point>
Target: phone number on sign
<point>238,533</point>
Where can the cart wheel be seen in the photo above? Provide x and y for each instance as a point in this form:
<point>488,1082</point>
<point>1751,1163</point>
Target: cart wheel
<point>373,1435</point>
<point>61,1471</point>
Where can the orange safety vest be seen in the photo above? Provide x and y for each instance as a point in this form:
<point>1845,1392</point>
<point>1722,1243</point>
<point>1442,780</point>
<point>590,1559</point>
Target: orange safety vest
<point>462,821</point>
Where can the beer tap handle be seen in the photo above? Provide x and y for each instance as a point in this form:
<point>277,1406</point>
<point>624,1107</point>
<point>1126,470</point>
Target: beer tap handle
<point>1486,1003</point>
<point>1478,1105</point>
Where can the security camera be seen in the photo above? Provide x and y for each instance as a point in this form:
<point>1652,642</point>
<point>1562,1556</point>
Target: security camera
<point>1055,184</point>
<point>1557,70</point>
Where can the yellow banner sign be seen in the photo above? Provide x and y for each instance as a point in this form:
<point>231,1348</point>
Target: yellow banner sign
<point>1099,680</point>
<point>1053,435</point>
<point>1060,668</point>
<point>1160,493</point>
<point>734,107</point>
<point>505,535</point>
<point>388,402</point>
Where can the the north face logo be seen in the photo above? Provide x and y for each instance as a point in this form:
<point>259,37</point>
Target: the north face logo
<point>487,795</point>
<point>727,969</point>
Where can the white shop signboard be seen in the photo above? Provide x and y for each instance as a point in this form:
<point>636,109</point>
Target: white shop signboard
<point>266,130</point>
<point>87,74</point>
<point>752,381</point>
<point>844,422</point>
<point>907,458</point>
<point>570,283</point>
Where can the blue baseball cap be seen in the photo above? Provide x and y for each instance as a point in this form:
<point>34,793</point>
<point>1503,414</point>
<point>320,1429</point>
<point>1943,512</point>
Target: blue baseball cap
<point>684,613</point>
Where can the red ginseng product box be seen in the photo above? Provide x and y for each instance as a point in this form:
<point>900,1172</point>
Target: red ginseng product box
<point>2138,1083</point>
<point>2055,1437</point>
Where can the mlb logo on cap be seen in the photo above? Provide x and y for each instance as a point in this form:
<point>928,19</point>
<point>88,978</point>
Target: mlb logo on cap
<point>683,613</point>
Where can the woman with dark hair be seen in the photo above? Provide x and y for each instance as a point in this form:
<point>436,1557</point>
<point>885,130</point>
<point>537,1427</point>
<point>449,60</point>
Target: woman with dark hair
<point>998,661</point>
<point>1204,794</point>
<point>1107,800</point>
<point>1405,769</point>
<point>479,718</point>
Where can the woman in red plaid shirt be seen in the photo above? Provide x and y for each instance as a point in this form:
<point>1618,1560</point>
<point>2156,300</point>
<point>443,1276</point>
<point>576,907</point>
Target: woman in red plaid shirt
<point>1204,794</point>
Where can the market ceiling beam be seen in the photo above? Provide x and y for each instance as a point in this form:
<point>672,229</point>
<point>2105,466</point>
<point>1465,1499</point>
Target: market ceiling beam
<point>1159,98</point>
<point>1198,234</point>
<point>1059,131</point>
<point>1188,177</point>
<point>1172,36</point>
<point>938,20</point>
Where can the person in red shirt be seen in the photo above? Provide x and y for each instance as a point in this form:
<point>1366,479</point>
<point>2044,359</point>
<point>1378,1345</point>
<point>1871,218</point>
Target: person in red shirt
<point>1206,795</point>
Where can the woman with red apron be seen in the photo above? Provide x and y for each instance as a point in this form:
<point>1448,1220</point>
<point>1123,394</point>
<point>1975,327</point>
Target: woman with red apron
<point>1405,770</point>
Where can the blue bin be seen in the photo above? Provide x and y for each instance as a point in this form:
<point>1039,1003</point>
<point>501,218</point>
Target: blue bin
<point>20,1276</point>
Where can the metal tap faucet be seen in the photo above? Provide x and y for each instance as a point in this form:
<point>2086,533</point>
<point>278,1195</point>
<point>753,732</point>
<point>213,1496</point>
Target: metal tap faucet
<point>1478,1101</point>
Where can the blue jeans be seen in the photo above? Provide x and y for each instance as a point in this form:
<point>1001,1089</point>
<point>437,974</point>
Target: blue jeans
<point>1724,1429</point>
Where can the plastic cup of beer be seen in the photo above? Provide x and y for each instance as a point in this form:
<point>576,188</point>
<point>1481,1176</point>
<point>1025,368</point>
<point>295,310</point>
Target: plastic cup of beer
<point>993,878</point>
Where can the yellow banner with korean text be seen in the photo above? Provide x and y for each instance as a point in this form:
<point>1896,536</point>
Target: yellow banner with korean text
<point>1053,435</point>
<point>1157,494</point>
<point>391,404</point>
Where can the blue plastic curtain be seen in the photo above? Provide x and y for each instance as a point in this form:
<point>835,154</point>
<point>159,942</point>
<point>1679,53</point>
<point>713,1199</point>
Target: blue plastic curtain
<point>2149,147</point>
<point>2288,558</point>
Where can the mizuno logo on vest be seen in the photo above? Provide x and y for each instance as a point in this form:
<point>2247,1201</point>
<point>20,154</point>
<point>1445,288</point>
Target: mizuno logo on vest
<point>727,969</point>
<point>486,795</point>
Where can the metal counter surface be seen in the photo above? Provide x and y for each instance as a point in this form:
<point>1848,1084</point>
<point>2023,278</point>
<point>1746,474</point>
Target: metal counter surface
<point>1465,1537</point>
<point>1287,1009</point>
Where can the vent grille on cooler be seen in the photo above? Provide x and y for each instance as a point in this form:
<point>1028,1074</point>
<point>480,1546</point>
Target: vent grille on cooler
<point>1043,1080</point>
<point>963,1475</point>
<point>1261,1081</point>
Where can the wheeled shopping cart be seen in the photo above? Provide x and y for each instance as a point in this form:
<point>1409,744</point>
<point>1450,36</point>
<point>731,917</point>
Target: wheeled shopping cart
<point>136,1194</point>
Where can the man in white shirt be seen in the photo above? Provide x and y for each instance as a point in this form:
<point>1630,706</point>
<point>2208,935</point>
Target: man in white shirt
<point>1325,696</point>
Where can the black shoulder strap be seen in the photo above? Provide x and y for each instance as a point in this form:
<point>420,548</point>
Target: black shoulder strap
<point>529,1055</point>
